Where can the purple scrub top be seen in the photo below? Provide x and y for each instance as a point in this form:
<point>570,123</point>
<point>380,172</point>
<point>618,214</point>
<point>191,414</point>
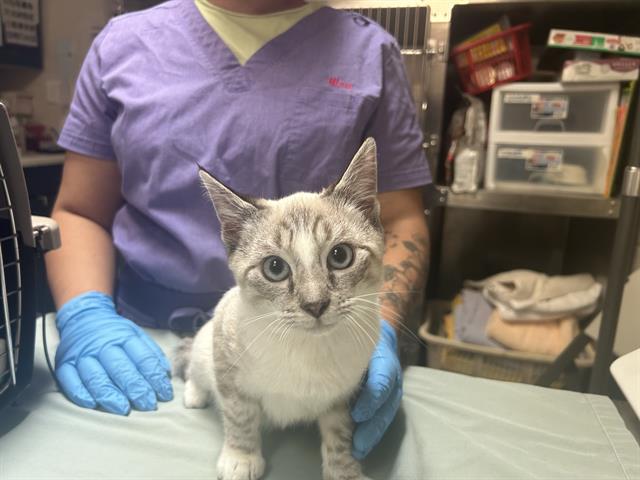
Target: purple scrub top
<point>160,93</point>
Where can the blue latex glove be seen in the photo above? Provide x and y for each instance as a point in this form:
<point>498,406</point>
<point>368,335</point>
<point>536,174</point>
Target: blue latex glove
<point>379,400</point>
<point>106,360</point>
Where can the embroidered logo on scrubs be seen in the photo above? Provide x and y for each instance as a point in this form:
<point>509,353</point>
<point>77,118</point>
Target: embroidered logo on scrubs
<point>336,82</point>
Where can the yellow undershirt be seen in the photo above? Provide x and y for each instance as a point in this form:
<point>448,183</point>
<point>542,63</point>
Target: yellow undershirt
<point>245,34</point>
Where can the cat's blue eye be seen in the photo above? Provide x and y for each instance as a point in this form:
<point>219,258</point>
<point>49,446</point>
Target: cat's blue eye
<point>340,257</point>
<point>275,269</point>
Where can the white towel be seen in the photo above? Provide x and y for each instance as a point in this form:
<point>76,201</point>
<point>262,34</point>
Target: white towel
<point>577,304</point>
<point>524,295</point>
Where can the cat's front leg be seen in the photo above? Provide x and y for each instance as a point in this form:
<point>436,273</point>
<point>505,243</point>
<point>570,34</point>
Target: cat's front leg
<point>336,429</point>
<point>241,456</point>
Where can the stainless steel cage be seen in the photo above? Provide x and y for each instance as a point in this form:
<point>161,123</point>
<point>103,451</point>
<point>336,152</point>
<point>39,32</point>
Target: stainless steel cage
<point>410,27</point>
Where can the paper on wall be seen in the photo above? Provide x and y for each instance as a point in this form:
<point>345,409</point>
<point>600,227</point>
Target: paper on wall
<point>24,10</point>
<point>20,20</point>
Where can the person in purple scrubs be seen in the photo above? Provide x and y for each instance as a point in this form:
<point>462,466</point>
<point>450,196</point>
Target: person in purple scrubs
<point>159,95</point>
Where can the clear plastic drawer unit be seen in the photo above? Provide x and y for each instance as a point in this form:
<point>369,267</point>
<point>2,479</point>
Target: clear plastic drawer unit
<point>551,137</point>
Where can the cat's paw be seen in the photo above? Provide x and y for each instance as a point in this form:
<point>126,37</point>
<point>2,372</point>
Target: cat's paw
<point>339,477</point>
<point>194,396</point>
<point>237,465</point>
<point>343,476</point>
<point>348,472</point>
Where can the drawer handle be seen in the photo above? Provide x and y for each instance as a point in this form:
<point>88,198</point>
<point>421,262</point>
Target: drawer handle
<point>555,123</point>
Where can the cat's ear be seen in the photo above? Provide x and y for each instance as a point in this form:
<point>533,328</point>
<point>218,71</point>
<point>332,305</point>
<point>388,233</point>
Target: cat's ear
<point>232,210</point>
<point>359,183</point>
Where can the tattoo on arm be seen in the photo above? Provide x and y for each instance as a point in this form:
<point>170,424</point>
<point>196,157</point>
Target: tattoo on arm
<point>405,275</point>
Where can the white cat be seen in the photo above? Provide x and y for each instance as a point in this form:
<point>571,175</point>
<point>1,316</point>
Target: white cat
<point>291,342</point>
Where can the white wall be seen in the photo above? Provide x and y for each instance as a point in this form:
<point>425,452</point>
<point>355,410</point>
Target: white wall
<point>68,27</point>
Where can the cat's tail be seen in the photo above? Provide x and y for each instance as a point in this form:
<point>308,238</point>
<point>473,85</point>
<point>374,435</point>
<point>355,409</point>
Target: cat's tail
<point>182,357</point>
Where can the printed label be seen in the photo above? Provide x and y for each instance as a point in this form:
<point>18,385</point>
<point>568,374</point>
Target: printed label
<point>555,108</point>
<point>536,159</point>
<point>545,160</point>
<point>521,97</point>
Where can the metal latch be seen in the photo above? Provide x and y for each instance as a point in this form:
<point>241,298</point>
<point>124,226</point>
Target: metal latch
<point>46,233</point>
<point>437,48</point>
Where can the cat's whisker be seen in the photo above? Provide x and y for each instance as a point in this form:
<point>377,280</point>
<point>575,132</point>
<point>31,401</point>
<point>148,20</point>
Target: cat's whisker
<point>382,292</point>
<point>386,309</point>
<point>374,329</point>
<point>274,331</point>
<point>381,310</point>
<point>286,335</point>
<point>351,330</point>
<point>288,325</point>
<point>257,337</point>
<point>280,331</point>
<point>375,307</point>
<point>357,323</point>
<point>354,326</point>
<point>253,320</point>
<point>403,328</point>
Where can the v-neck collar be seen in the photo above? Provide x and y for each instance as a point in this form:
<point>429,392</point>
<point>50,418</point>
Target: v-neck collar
<point>217,56</point>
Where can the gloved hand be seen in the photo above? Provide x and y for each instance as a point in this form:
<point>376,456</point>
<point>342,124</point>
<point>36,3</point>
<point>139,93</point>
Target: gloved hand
<point>381,394</point>
<point>106,360</point>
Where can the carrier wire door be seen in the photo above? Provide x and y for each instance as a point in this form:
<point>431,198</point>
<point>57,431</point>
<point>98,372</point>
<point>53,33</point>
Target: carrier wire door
<point>17,274</point>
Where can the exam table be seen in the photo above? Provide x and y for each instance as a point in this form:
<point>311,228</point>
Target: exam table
<point>450,427</point>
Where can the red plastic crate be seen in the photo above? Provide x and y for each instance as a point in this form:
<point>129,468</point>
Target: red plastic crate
<point>493,60</point>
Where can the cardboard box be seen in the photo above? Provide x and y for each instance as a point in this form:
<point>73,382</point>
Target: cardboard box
<point>599,42</point>
<point>601,70</point>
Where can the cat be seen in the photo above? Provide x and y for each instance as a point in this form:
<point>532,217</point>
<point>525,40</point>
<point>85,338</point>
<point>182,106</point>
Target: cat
<point>291,342</point>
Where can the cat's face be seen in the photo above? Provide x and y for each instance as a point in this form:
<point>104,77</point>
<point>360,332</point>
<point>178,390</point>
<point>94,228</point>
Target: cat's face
<point>314,259</point>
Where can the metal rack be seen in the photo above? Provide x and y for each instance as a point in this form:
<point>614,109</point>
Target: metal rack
<point>565,205</point>
<point>429,93</point>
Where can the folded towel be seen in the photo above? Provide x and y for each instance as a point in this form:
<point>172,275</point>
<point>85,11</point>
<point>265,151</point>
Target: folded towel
<point>577,304</point>
<point>547,338</point>
<point>449,326</point>
<point>529,296</point>
<point>471,317</point>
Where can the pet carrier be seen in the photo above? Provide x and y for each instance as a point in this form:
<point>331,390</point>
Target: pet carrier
<point>22,237</point>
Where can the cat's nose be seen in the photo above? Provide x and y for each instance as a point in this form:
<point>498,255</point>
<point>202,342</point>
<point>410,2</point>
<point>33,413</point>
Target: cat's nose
<point>315,308</point>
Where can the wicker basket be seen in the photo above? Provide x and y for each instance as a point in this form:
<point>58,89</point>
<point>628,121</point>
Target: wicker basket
<point>495,363</point>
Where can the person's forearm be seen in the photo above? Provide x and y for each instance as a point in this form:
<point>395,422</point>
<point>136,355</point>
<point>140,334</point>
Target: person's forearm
<point>85,261</point>
<point>406,260</point>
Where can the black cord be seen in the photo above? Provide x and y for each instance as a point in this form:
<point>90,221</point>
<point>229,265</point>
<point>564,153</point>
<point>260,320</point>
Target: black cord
<point>40,307</point>
<point>46,349</point>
